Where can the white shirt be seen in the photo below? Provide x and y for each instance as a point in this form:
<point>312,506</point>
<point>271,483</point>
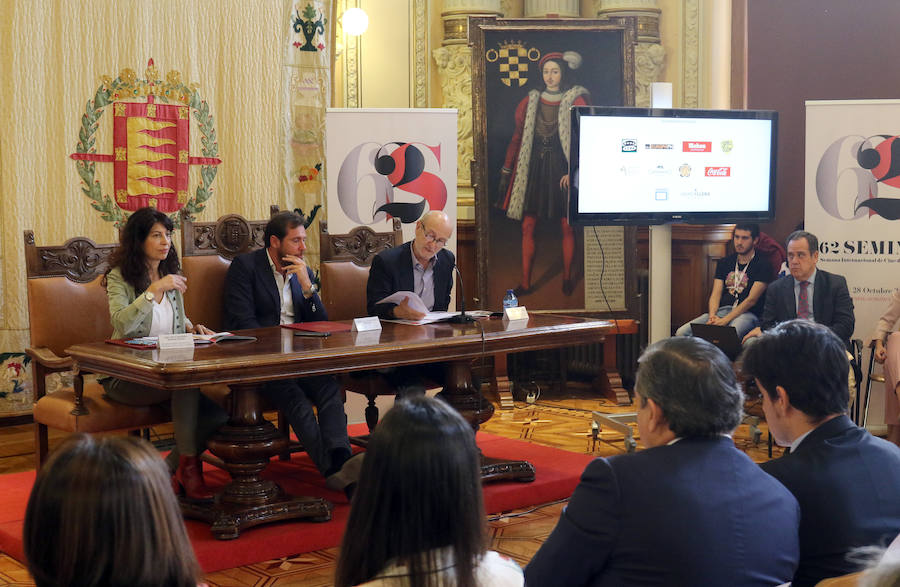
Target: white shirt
<point>163,319</point>
<point>284,287</point>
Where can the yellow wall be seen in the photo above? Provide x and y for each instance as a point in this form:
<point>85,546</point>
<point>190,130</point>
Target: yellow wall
<point>52,54</point>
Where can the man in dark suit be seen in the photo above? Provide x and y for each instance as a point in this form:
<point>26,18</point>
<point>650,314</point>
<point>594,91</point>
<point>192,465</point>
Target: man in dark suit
<point>846,481</point>
<point>274,286</point>
<point>691,509</point>
<point>808,293</point>
<point>422,266</point>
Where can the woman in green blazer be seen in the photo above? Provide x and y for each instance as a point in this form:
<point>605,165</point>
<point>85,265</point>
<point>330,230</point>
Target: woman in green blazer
<point>145,290</point>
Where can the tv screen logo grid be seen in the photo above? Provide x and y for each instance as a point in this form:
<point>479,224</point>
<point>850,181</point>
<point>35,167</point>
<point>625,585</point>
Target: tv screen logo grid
<point>631,146</point>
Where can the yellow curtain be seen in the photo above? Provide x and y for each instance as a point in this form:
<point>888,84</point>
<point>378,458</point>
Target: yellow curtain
<point>52,56</point>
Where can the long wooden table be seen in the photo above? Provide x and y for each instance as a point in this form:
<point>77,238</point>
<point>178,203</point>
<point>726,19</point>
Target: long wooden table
<point>248,441</point>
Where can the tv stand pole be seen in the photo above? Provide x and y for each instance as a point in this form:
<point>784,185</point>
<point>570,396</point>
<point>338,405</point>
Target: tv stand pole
<point>660,249</point>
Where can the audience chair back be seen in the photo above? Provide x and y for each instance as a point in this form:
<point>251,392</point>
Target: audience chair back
<point>344,270</point>
<point>67,305</point>
<point>207,251</point>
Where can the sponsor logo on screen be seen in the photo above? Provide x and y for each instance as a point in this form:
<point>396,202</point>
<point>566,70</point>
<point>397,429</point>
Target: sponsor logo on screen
<point>718,172</point>
<point>659,146</point>
<point>629,146</point>
<point>661,194</point>
<point>696,146</point>
<point>684,170</point>
<point>660,170</point>
<point>727,146</point>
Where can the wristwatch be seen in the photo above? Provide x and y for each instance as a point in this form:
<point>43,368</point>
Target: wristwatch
<point>149,296</point>
<point>313,290</point>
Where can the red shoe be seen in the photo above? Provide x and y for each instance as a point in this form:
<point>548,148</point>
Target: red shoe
<point>190,476</point>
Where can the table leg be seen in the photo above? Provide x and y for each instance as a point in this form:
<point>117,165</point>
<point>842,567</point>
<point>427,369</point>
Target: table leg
<point>462,395</point>
<point>245,444</point>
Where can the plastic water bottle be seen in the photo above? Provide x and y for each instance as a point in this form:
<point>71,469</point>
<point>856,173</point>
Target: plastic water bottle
<point>510,300</point>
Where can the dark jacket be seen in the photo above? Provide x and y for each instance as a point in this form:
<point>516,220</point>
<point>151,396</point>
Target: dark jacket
<point>392,271</point>
<point>252,299</point>
<point>698,512</point>
<point>848,485</point>
<point>832,305</point>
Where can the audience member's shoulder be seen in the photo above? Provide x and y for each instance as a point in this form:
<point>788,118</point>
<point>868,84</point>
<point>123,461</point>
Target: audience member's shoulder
<point>494,569</point>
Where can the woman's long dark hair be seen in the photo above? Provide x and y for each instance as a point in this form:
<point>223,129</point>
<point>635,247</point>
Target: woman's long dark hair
<point>129,257</point>
<point>419,491</point>
<point>102,513</point>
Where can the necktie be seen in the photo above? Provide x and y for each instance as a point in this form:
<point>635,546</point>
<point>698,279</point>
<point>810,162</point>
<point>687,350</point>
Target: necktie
<point>803,302</point>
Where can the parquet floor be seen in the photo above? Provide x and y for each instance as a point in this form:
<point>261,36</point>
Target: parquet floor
<point>562,423</point>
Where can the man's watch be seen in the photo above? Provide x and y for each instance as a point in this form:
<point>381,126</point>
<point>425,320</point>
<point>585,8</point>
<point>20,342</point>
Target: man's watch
<point>149,296</point>
<point>313,290</point>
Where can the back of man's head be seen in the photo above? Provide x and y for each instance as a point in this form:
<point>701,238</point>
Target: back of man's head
<point>279,225</point>
<point>808,360</point>
<point>694,385</point>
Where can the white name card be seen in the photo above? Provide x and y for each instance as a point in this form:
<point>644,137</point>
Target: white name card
<point>366,338</point>
<point>173,355</point>
<point>516,313</point>
<point>366,324</point>
<point>175,341</point>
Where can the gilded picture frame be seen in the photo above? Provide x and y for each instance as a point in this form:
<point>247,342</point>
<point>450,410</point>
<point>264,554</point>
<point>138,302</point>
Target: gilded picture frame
<point>523,241</point>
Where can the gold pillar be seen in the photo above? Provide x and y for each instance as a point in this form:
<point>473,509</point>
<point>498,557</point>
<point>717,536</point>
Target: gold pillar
<point>454,65</point>
<point>649,55</point>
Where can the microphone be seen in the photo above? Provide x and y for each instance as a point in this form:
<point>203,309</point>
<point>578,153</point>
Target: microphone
<point>461,318</point>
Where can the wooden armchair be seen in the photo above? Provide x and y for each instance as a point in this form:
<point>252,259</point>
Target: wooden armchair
<point>67,305</point>
<point>344,273</point>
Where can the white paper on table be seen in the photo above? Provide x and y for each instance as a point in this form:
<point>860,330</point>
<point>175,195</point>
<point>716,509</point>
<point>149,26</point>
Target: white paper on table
<point>413,299</point>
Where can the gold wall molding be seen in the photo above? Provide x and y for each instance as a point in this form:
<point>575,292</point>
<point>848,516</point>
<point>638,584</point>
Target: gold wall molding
<point>649,54</point>
<point>690,48</point>
<point>420,54</point>
<point>454,64</point>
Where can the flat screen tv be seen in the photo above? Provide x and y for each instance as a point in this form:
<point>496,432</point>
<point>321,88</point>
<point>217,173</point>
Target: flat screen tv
<point>655,165</point>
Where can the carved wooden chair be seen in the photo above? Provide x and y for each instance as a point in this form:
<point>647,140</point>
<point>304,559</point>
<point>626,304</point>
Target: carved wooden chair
<point>344,273</point>
<point>67,305</point>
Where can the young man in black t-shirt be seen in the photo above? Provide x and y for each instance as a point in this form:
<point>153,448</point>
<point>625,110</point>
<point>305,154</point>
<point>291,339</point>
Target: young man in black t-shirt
<point>738,293</point>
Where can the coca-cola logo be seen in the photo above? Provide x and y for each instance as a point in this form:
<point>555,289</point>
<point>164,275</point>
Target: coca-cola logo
<point>696,146</point>
<point>718,172</point>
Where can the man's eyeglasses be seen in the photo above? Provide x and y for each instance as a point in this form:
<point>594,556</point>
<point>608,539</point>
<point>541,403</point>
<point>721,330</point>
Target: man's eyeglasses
<point>430,237</point>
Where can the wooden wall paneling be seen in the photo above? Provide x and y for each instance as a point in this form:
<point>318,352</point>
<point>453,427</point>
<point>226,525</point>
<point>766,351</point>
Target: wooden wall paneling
<point>695,251</point>
<point>465,260</point>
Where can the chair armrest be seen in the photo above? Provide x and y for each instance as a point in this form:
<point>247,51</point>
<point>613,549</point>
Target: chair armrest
<point>49,360</point>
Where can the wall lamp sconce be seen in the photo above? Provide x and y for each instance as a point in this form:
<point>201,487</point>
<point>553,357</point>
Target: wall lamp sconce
<point>354,21</point>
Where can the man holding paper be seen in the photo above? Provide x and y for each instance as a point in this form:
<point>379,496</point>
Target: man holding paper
<point>422,266</point>
<point>273,286</point>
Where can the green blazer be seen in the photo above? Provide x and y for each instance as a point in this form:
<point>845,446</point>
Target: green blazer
<point>131,313</point>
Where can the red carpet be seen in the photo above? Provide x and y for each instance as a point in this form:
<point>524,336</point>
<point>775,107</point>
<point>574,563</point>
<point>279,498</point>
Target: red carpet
<point>558,472</point>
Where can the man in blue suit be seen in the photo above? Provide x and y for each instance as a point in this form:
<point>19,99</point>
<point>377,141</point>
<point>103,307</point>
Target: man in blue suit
<point>846,481</point>
<point>691,509</point>
<point>274,286</point>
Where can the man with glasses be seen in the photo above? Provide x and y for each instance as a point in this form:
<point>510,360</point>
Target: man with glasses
<point>422,266</point>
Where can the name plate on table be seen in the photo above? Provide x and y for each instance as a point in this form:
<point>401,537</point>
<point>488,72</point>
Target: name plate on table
<point>184,355</point>
<point>515,318</point>
<point>366,324</point>
<point>366,338</point>
<point>517,313</point>
<point>175,341</point>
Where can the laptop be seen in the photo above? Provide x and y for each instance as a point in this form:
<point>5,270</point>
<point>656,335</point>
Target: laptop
<point>724,337</point>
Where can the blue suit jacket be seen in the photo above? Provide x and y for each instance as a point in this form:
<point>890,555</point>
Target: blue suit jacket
<point>392,271</point>
<point>252,299</point>
<point>832,305</point>
<point>698,512</point>
<point>848,485</point>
